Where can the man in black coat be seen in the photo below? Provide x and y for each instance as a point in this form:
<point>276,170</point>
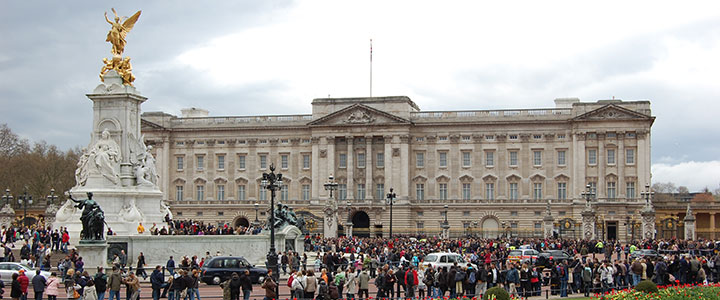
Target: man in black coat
<point>38,283</point>
<point>157,280</point>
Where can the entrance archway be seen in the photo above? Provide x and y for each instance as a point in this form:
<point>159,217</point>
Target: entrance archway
<point>361,224</point>
<point>490,228</point>
<point>241,221</point>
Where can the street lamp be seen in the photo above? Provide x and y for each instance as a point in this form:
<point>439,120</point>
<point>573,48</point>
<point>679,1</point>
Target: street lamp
<point>390,201</point>
<point>331,185</point>
<point>647,194</point>
<point>52,197</point>
<point>588,194</point>
<point>24,200</point>
<point>272,182</point>
<point>7,197</point>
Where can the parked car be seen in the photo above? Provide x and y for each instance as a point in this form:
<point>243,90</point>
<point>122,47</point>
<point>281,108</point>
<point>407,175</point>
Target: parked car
<point>523,256</point>
<point>8,268</point>
<point>644,253</point>
<point>548,257</point>
<point>219,269</point>
<point>445,259</point>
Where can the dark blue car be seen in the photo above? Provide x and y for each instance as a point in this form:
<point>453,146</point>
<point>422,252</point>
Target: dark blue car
<point>219,269</point>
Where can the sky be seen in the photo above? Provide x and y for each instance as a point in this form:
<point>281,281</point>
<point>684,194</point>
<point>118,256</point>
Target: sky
<point>274,57</point>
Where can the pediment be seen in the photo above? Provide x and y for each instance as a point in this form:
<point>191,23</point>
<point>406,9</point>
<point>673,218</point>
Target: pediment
<point>359,115</point>
<point>145,124</point>
<point>612,112</point>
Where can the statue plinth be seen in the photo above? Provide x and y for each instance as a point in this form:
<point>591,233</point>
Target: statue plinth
<point>588,224</point>
<point>7,215</point>
<point>648,222</point>
<point>94,253</point>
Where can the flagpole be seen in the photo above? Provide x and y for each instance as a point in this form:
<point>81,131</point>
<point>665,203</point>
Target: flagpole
<point>370,68</point>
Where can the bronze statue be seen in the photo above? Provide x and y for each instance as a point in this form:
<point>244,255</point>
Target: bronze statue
<point>92,218</point>
<point>119,31</point>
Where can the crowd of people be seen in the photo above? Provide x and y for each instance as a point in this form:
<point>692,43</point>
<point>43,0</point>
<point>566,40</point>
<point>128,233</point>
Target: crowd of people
<point>192,227</point>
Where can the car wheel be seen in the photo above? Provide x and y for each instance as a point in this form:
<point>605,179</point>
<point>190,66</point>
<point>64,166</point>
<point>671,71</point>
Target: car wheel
<point>216,280</point>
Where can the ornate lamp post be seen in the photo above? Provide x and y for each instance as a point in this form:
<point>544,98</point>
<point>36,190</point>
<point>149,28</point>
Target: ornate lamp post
<point>52,197</point>
<point>272,182</point>
<point>390,201</point>
<point>7,198</point>
<point>445,225</point>
<point>51,209</point>
<point>588,214</point>
<point>648,214</point>
<point>331,185</point>
<point>348,221</point>
<point>24,200</point>
<point>257,207</point>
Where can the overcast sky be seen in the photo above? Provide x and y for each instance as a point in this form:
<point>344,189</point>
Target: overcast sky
<point>274,57</point>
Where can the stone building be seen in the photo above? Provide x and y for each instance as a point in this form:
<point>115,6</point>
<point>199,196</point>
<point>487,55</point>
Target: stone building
<point>495,170</point>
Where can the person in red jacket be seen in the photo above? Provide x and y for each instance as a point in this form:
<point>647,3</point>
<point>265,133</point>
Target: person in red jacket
<point>411,282</point>
<point>65,241</point>
<point>24,282</point>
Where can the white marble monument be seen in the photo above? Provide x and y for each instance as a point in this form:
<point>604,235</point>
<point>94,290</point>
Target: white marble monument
<point>116,166</point>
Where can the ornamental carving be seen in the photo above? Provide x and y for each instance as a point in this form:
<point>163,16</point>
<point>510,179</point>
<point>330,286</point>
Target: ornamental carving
<point>359,117</point>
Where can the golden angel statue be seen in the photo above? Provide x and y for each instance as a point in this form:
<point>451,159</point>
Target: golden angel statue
<point>119,31</point>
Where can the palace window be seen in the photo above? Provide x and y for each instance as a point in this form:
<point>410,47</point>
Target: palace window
<point>629,156</point>
<point>241,192</point>
<point>513,191</point>
<point>537,191</point>
<point>221,162</point>
<point>420,191</point>
<point>562,190</point>
<point>360,191</point>
<point>442,162</point>
<point>380,160</point>
<point>420,159</point>
<point>263,161</point>
<point>241,162</point>
<point>592,157</point>
<point>361,160</point>
<point>466,158</point>
<point>200,162</point>
<point>306,161</point>
<point>611,190</point>
<point>284,192</point>
<point>342,161</point>
<point>306,192</point>
<point>490,191</point>
<point>513,158</point>
<point>262,194</point>
<point>489,158</point>
<point>630,190</point>
<point>561,157</point>
<point>200,192</point>
<point>466,191</point>
<point>342,191</point>
<point>284,161</point>
<point>220,192</point>
<point>443,191</point>
<point>180,163</point>
<point>610,156</point>
<point>537,158</point>
<point>179,192</point>
<point>593,189</point>
<point>380,191</point>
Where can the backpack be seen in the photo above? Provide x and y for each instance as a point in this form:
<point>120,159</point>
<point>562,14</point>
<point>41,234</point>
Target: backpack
<point>471,278</point>
<point>334,294</point>
<point>290,280</point>
<point>409,278</point>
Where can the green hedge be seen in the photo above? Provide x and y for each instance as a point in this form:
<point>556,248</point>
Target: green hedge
<point>498,292</point>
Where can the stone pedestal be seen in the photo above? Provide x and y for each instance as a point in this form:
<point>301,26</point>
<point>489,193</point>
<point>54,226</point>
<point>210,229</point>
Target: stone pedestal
<point>588,224</point>
<point>348,229</point>
<point>330,223</point>
<point>689,220</point>
<point>94,254</point>
<point>445,230</point>
<point>116,166</point>
<point>7,215</point>
<point>648,222</point>
<point>548,222</point>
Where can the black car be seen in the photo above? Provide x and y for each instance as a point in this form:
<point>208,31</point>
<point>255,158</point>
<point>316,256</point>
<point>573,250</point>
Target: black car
<point>219,269</point>
<point>548,257</point>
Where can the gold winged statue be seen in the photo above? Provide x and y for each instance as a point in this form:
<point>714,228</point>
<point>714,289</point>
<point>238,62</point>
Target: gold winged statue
<point>119,31</point>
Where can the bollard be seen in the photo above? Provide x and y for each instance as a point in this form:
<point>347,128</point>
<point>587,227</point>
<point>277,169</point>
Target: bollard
<point>547,294</point>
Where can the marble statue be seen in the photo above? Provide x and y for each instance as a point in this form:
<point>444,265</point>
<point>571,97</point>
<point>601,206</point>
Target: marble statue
<point>82,171</point>
<point>143,162</point>
<point>118,31</point>
<point>106,156</point>
<point>92,218</point>
<point>284,216</point>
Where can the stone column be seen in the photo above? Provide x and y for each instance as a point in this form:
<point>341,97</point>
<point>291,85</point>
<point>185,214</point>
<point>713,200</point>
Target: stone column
<point>388,161</point>
<point>350,167</point>
<point>369,189</point>
<point>318,176</point>
<point>166,161</point>
<point>7,215</point>
<point>404,166</point>
<point>648,222</point>
<point>588,223</point>
<point>690,233</point>
<point>548,222</point>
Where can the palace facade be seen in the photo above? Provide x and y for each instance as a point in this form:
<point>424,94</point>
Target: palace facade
<point>493,172</point>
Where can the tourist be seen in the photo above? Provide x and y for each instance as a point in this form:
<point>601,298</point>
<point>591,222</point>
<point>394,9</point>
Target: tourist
<point>15,289</point>
<point>52,287</point>
<point>157,280</point>
<point>71,287</point>
<point>114,283</point>
<point>363,284</point>
<point>350,283</point>
<point>235,286</point>
<point>39,283</point>
<point>179,286</point>
<point>246,284</point>
<point>269,286</point>
<point>89,292</point>
<point>310,284</point>
<point>193,289</point>
<point>24,283</point>
<point>170,266</point>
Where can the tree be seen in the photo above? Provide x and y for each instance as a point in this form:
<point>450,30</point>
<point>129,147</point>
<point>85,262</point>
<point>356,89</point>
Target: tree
<point>667,187</point>
<point>683,190</point>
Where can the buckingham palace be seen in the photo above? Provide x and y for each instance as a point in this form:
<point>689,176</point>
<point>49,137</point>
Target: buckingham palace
<point>483,172</point>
